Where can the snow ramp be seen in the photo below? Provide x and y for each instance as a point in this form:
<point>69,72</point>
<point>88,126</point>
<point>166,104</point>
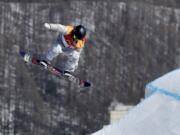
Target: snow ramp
<point>158,114</point>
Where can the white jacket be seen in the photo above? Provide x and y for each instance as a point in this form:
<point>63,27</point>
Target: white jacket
<point>56,27</point>
<point>59,47</point>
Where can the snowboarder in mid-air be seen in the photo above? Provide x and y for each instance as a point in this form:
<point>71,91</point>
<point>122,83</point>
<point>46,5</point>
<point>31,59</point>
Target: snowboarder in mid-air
<point>70,41</point>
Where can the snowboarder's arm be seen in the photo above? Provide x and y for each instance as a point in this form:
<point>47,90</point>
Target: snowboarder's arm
<point>56,27</point>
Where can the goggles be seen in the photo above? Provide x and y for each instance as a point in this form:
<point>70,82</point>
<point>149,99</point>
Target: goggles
<point>75,38</point>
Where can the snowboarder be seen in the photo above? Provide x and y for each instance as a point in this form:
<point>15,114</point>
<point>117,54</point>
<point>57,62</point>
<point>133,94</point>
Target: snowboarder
<point>70,42</point>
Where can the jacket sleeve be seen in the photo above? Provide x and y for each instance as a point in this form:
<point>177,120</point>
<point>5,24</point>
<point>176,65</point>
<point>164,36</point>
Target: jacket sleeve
<point>56,27</point>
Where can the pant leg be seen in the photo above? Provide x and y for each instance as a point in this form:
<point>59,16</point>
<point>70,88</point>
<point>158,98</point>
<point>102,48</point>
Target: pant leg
<point>54,51</point>
<point>72,61</point>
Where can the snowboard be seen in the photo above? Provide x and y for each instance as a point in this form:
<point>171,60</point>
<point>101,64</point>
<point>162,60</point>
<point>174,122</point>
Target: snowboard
<point>28,58</point>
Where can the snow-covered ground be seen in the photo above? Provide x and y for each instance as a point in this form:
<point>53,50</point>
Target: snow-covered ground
<point>158,114</point>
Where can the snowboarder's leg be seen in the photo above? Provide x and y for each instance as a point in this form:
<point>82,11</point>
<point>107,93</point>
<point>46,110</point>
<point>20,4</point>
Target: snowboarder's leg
<point>54,51</point>
<point>72,62</point>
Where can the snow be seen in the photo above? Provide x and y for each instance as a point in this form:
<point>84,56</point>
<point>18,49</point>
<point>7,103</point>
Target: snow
<point>158,114</point>
<point>169,84</point>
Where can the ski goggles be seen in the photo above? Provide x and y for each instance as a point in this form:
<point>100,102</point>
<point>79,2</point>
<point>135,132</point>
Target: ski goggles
<point>75,38</point>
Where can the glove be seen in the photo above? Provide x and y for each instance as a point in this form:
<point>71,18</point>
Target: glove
<point>47,25</point>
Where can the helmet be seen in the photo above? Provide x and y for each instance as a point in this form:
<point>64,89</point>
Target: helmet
<point>80,31</point>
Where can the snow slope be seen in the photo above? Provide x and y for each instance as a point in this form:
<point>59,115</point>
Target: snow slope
<point>158,114</point>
